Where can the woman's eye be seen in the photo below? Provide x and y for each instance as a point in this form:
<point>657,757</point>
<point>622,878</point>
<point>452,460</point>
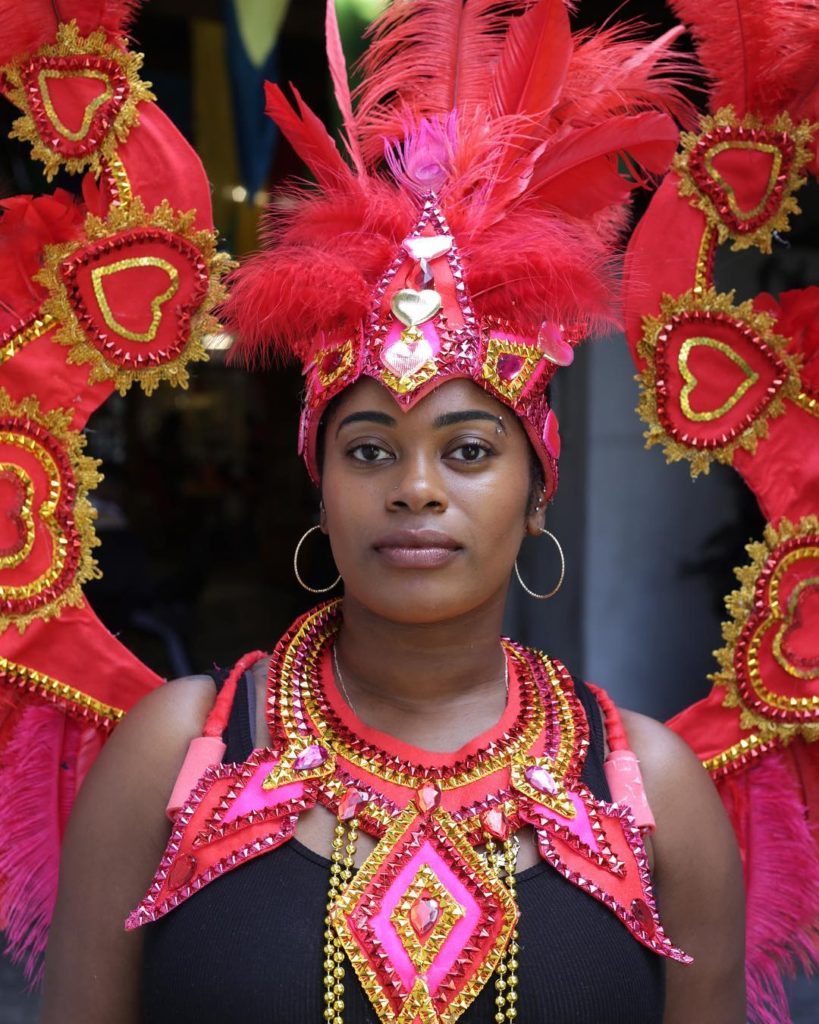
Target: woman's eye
<point>471,451</point>
<point>368,453</point>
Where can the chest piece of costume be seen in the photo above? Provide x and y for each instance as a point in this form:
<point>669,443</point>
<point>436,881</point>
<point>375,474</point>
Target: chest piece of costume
<point>430,916</point>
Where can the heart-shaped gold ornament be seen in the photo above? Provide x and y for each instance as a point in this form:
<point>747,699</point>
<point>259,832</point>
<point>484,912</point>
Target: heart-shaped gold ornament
<point>413,308</point>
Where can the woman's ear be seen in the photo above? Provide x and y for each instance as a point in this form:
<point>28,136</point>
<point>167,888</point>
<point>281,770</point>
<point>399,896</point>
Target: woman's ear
<point>536,517</point>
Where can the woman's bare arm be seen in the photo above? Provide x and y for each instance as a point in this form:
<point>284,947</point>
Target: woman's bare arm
<point>113,844</point>
<point>698,876</point>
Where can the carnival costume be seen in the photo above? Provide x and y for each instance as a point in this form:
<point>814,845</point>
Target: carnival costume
<point>469,235</point>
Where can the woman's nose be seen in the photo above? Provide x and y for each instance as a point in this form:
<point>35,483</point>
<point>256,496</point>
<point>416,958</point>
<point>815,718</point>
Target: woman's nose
<point>419,486</point>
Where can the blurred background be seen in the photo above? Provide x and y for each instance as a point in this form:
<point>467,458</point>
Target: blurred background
<point>204,498</point>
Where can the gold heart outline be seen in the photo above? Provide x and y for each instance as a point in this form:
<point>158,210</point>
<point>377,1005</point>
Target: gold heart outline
<point>97,275</point>
<point>691,381</point>
<point>786,622</point>
<point>769,697</point>
<point>410,381</point>
<point>760,147</point>
<point>26,514</point>
<point>91,108</point>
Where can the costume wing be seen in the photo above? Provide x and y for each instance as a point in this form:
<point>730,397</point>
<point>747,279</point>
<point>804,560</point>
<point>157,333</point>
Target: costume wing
<point>737,382</point>
<point>97,295</point>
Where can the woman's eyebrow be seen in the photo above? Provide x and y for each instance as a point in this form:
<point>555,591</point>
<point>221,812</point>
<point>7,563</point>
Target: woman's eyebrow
<point>447,419</point>
<point>367,416</point>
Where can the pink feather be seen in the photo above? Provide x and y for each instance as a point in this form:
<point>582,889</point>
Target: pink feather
<point>341,85</point>
<point>760,54</point>
<point>781,881</point>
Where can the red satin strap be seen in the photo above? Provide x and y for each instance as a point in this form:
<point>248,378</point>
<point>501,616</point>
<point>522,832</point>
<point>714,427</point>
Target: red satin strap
<point>217,720</point>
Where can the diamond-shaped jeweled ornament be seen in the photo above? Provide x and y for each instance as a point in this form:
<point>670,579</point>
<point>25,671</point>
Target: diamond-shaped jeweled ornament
<point>424,922</point>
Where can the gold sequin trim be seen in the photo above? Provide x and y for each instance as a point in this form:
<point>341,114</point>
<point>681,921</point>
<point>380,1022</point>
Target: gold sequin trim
<point>737,755</point>
<point>691,381</point>
<point>710,301</point>
<point>52,689</point>
<point>71,333</point>
<point>740,604</point>
<point>86,477</point>
<point>725,117</point>
<point>70,43</point>
<point>98,275</point>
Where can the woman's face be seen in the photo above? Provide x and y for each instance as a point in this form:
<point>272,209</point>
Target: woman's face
<point>426,509</point>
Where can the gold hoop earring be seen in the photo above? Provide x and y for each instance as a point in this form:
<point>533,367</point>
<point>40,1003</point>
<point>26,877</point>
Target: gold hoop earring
<point>545,597</point>
<point>313,590</point>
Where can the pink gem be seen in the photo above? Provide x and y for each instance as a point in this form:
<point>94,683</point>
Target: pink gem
<point>423,914</point>
<point>509,366</point>
<point>495,823</point>
<point>311,757</point>
<point>551,435</point>
<point>428,797</point>
<point>541,778</point>
<point>182,871</point>
<point>553,346</point>
<point>350,803</point>
<point>642,912</point>
<point>331,362</point>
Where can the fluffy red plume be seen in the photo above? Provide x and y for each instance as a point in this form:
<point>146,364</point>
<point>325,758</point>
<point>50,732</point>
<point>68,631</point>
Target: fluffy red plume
<point>760,54</point>
<point>341,84</point>
<point>28,26</point>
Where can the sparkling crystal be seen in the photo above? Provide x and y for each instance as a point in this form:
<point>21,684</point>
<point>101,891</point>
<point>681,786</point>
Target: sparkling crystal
<point>331,362</point>
<point>495,823</point>
<point>423,915</point>
<point>182,871</point>
<point>428,797</point>
<point>311,757</point>
<point>350,804</point>
<point>542,779</point>
<point>509,366</point>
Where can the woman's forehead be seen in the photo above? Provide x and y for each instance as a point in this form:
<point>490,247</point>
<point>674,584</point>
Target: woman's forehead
<point>451,396</point>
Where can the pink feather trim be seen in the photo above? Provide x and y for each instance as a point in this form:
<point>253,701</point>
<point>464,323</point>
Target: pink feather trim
<point>781,881</point>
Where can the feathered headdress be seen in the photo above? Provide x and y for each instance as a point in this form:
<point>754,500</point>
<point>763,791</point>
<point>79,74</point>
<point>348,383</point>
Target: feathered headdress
<point>471,231</point>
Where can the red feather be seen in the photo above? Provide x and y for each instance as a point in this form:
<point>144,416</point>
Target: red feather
<point>341,84</point>
<point>760,54</point>
<point>525,83</point>
<point>431,56</point>
<point>28,26</point>
<point>308,136</point>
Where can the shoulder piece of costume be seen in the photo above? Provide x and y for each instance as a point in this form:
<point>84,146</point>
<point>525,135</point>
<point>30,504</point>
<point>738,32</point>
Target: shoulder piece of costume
<point>736,382</point>
<point>431,914</point>
<point>98,295</point>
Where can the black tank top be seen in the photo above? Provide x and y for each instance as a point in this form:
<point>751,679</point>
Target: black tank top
<point>249,946</point>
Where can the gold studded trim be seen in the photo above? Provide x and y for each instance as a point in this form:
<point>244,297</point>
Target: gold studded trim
<point>62,694</point>
<point>654,328</point>
<point>740,605</point>
<point>738,755</point>
<point>31,330</point>
<point>419,1000</point>
<point>70,332</point>
<point>715,125</point>
<point>70,43</point>
<point>56,422</point>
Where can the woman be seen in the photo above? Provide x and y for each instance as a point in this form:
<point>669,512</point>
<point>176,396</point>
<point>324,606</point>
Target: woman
<point>415,811</point>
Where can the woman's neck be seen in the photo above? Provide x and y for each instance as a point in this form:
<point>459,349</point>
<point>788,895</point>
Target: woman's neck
<point>433,685</point>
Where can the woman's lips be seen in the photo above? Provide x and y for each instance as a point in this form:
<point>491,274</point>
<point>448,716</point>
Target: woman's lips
<point>417,549</point>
